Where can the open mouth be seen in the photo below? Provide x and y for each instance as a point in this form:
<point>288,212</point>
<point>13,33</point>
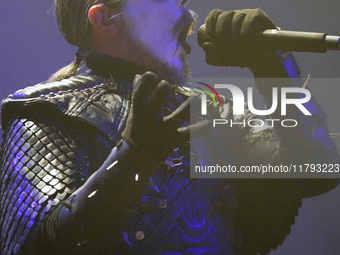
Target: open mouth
<point>182,39</point>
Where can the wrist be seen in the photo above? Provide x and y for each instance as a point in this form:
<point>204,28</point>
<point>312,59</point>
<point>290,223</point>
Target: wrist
<point>126,161</point>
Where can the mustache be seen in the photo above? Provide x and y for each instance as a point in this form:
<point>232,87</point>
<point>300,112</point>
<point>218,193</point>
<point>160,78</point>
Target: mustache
<point>186,23</point>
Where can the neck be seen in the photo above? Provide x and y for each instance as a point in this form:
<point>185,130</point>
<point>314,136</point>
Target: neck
<point>110,67</point>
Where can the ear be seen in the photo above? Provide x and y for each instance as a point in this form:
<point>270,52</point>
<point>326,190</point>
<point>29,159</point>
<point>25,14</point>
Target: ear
<point>99,17</point>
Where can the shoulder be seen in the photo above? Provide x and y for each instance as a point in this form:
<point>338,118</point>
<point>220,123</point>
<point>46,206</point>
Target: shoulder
<point>75,83</point>
<point>85,98</point>
<point>46,95</point>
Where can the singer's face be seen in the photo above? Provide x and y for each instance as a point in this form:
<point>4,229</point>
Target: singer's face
<point>158,30</point>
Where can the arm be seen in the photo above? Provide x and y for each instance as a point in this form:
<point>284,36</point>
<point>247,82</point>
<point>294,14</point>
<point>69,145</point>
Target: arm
<point>91,216</point>
<point>266,207</point>
<point>45,165</point>
<point>230,44</point>
<point>42,164</point>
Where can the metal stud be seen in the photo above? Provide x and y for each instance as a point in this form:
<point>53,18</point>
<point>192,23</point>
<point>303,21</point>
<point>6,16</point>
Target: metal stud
<point>112,165</point>
<point>306,81</point>
<point>92,194</point>
<point>334,135</point>
<point>163,204</point>
<point>82,243</point>
<point>111,85</point>
<point>140,235</point>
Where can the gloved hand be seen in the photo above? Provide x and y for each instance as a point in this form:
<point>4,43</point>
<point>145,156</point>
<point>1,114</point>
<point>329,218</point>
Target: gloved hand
<point>231,41</point>
<point>214,145</point>
<point>147,129</point>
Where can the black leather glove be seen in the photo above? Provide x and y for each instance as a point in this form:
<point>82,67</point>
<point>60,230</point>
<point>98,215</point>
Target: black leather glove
<point>231,39</point>
<point>147,129</point>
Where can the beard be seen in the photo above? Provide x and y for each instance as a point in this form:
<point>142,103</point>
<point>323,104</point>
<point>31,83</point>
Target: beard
<point>177,72</point>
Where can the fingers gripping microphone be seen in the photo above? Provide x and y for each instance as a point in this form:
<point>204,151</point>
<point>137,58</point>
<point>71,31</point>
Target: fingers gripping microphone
<point>277,39</point>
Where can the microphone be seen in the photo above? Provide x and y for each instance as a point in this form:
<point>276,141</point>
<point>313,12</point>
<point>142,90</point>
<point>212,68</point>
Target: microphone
<point>278,39</point>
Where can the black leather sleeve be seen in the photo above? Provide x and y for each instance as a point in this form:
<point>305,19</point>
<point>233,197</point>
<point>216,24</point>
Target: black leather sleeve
<point>266,208</point>
<point>61,193</point>
<point>43,162</point>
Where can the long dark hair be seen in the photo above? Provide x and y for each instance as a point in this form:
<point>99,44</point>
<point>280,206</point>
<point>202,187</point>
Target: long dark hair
<point>74,25</point>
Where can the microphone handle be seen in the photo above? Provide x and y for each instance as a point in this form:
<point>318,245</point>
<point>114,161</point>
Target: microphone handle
<point>277,39</point>
<point>299,41</point>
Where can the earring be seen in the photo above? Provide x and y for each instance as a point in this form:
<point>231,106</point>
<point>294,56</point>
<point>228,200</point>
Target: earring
<point>113,18</point>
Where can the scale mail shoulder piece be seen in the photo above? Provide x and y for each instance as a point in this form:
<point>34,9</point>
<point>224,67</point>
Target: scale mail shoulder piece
<point>49,149</point>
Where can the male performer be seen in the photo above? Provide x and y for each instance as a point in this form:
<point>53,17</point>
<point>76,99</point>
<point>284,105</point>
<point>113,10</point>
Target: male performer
<point>99,163</point>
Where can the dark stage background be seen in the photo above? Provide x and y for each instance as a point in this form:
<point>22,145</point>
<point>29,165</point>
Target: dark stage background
<point>32,49</point>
